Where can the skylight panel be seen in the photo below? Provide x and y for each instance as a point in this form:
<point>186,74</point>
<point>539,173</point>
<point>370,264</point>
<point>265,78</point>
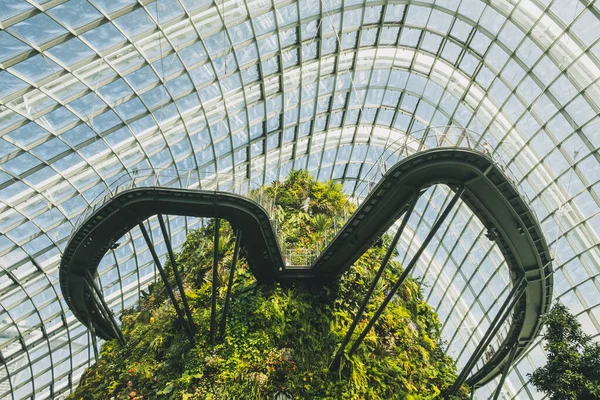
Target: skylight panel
<point>115,92</point>
<point>11,47</point>
<point>142,78</point>
<point>48,150</point>
<point>104,37</point>
<point>10,84</point>
<point>59,119</point>
<point>164,11</point>
<point>135,23</point>
<point>12,8</point>
<point>112,6</point>
<point>37,68</point>
<point>71,52</point>
<point>106,121</point>
<point>21,164</point>
<point>38,30</point>
<point>75,13</point>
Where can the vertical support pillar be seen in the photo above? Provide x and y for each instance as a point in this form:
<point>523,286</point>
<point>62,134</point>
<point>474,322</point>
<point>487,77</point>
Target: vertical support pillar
<point>511,358</point>
<point>338,355</point>
<point>236,250</point>
<point>505,310</point>
<point>215,276</point>
<point>103,307</point>
<point>165,279</point>
<point>408,269</point>
<point>92,330</point>
<point>186,306</point>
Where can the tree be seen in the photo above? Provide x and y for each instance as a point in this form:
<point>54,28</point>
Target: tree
<point>573,367</point>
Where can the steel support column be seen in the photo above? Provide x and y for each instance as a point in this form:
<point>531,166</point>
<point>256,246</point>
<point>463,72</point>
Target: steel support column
<point>511,358</point>
<point>92,330</point>
<point>338,355</point>
<point>103,307</point>
<point>215,276</point>
<point>165,279</point>
<point>236,250</point>
<point>408,269</point>
<point>515,294</point>
<point>186,306</point>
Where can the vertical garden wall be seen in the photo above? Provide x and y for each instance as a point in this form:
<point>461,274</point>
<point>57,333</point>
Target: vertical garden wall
<point>279,340</point>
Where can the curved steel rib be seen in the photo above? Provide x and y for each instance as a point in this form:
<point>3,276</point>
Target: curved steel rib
<point>488,192</point>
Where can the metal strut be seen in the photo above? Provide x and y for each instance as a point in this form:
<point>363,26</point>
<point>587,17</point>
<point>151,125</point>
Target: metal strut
<point>103,307</point>
<point>511,358</point>
<point>236,250</point>
<point>93,335</point>
<point>515,294</point>
<point>215,276</point>
<point>338,355</point>
<point>407,270</point>
<point>186,306</point>
<point>165,279</point>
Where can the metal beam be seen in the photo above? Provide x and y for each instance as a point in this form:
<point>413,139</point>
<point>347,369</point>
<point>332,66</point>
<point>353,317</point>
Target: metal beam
<point>215,276</point>
<point>186,306</point>
<point>514,295</point>
<point>511,358</point>
<point>165,279</point>
<point>407,270</point>
<point>104,308</point>
<point>338,355</point>
<point>236,250</point>
<point>92,330</point>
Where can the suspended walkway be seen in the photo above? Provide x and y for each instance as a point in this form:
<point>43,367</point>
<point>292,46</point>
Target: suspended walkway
<point>472,175</point>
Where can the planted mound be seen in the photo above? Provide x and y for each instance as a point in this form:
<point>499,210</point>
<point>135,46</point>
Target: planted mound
<point>279,340</point>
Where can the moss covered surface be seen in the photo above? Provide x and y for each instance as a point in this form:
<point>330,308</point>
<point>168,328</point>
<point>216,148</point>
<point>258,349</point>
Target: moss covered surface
<point>279,339</point>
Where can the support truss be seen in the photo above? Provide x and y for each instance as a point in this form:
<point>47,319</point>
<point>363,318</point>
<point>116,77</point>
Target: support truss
<point>407,270</point>
<point>335,364</point>
<point>515,294</point>
<point>165,279</point>
<point>215,277</point>
<point>104,309</point>
<point>186,306</point>
<point>236,250</point>
<point>511,358</point>
<point>93,337</point>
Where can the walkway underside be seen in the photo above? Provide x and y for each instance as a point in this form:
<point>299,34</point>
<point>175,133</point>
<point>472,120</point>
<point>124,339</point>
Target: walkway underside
<point>487,191</point>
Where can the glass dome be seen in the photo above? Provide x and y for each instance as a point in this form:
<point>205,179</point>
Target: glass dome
<point>91,90</point>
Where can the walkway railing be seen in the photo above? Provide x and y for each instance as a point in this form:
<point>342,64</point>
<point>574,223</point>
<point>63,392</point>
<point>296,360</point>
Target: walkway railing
<point>299,257</point>
<point>178,179</point>
<point>399,192</point>
<point>433,137</point>
<point>392,153</point>
<point>195,180</point>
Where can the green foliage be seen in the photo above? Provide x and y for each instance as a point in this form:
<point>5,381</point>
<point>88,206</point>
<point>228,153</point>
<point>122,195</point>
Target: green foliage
<point>308,213</point>
<point>279,339</point>
<point>573,368</point>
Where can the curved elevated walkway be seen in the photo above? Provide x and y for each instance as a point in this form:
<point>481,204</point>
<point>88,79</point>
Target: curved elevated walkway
<point>488,192</point>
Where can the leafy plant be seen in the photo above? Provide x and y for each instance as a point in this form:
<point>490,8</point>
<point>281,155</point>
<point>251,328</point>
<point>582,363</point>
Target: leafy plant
<point>572,371</point>
<point>279,338</point>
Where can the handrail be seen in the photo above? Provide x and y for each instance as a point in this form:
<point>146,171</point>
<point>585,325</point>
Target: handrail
<point>174,178</point>
<point>489,193</point>
<point>434,137</point>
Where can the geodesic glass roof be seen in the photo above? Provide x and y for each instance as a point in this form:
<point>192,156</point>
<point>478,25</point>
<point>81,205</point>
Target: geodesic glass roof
<point>91,90</point>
